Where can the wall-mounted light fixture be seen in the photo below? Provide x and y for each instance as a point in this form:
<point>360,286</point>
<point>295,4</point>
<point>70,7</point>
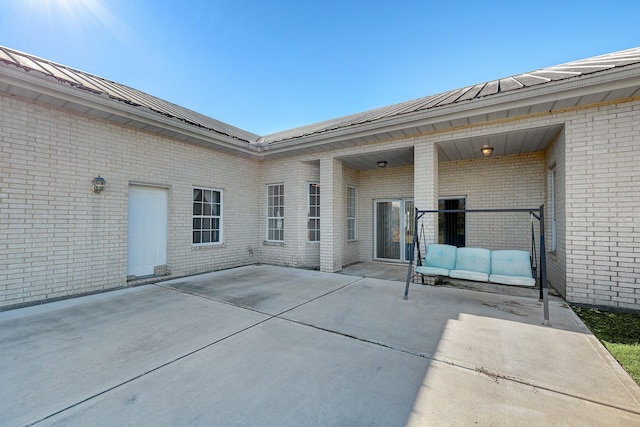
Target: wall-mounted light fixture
<point>486,150</point>
<point>382,164</point>
<point>98,184</point>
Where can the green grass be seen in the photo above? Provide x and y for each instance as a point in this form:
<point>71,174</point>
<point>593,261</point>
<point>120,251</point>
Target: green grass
<point>619,332</point>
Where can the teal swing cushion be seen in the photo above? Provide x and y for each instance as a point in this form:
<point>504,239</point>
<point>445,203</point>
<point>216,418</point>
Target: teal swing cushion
<point>472,264</point>
<point>511,267</point>
<point>439,260</point>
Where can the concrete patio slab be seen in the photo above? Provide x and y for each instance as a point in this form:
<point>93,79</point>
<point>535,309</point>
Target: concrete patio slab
<point>278,346</point>
<point>278,374</point>
<point>56,355</point>
<point>492,333</point>
<point>265,288</point>
<point>455,396</point>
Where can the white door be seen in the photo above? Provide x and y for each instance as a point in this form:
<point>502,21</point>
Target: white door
<point>147,237</point>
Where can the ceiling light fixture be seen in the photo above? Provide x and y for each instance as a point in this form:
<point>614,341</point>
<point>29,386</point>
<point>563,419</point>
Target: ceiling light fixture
<point>486,150</point>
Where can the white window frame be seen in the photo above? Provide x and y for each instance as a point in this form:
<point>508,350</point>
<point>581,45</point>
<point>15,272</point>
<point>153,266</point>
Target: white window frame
<point>554,219</point>
<point>352,213</point>
<point>275,213</point>
<point>203,213</point>
<point>313,212</point>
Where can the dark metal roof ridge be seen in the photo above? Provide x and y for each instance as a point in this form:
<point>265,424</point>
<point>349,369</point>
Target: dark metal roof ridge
<point>538,77</point>
<point>457,97</point>
<point>122,93</point>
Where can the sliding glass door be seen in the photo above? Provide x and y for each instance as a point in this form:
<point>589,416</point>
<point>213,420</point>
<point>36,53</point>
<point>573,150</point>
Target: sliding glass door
<point>393,233</point>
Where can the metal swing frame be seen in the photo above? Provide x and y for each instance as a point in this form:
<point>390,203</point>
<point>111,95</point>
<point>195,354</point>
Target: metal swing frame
<point>537,213</point>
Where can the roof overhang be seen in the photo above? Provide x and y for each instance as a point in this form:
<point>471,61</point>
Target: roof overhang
<point>579,92</point>
<point>406,120</point>
<point>44,89</point>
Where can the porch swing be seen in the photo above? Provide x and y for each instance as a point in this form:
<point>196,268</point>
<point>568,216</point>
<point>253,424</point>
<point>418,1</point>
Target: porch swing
<point>504,267</point>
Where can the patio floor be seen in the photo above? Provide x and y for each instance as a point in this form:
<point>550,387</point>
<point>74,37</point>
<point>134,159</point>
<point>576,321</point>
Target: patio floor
<point>275,346</point>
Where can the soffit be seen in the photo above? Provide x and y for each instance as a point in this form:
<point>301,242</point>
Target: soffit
<point>466,96</point>
<point>90,83</point>
<point>504,144</point>
<point>590,81</point>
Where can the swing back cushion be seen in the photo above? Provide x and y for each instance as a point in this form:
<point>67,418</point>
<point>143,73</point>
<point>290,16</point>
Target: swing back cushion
<point>511,267</point>
<point>472,264</point>
<point>439,260</point>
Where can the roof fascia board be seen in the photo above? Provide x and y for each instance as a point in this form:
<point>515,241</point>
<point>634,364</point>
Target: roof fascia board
<point>47,86</point>
<point>552,91</point>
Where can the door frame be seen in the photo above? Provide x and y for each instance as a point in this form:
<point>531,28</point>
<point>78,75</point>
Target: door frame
<point>159,268</point>
<point>403,225</point>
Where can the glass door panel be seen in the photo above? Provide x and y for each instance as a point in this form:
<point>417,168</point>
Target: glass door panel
<point>409,219</point>
<point>388,230</point>
<point>393,229</point>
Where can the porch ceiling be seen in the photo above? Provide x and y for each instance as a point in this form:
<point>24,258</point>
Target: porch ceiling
<point>505,144</point>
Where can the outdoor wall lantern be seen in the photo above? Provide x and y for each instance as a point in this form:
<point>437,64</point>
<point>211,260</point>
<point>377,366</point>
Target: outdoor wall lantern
<point>98,184</point>
<point>486,150</point>
<point>382,164</point>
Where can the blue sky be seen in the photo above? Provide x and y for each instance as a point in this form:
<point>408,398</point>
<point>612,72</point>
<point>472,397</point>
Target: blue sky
<point>272,65</point>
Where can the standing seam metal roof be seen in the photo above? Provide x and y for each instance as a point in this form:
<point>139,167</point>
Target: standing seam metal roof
<point>524,80</point>
<point>117,91</point>
<point>120,92</point>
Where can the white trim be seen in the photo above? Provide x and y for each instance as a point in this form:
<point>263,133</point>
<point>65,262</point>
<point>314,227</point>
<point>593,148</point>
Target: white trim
<point>277,218</point>
<point>401,228</point>
<point>317,217</point>
<point>220,217</point>
<point>355,210</point>
<point>553,206</point>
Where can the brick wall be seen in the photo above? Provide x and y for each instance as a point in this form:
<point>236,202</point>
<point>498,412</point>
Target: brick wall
<point>602,200</point>
<point>377,184</point>
<point>57,238</point>
<point>506,182</point>
<point>556,259</point>
<point>351,250</point>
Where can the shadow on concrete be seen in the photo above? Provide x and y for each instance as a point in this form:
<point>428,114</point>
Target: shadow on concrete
<point>279,346</point>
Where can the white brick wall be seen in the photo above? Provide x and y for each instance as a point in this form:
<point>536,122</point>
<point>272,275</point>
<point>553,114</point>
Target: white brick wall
<point>57,238</point>
<point>507,182</point>
<point>556,260</point>
<point>388,183</point>
<point>351,250</point>
<point>603,206</point>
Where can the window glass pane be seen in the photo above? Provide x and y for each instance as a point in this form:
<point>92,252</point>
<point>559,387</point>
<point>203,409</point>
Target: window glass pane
<point>207,213</point>
<point>275,212</point>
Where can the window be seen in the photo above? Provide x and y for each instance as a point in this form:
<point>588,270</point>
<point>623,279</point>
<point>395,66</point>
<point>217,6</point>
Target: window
<point>313,221</point>
<point>351,213</point>
<point>207,216</point>
<point>452,225</point>
<point>275,213</point>
<point>554,219</point>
